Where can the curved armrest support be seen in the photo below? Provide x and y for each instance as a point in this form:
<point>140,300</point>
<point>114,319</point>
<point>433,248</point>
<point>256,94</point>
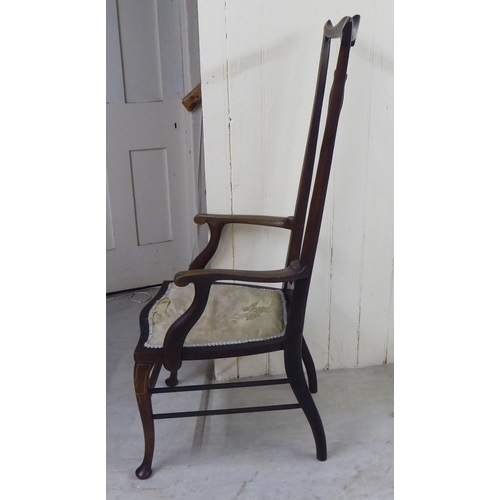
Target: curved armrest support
<point>295,271</point>
<point>217,222</point>
<point>178,331</point>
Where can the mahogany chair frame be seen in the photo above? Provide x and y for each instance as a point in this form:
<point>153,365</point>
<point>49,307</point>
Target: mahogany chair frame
<point>295,277</point>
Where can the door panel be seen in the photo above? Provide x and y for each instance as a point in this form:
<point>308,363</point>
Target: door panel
<point>140,48</point>
<point>151,195</point>
<point>114,71</point>
<point>150,186</point>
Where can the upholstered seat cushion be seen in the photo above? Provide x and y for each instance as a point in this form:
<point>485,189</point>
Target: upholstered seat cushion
<point>234,314</point>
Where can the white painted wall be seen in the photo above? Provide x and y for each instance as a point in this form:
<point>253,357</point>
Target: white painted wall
<point>258,66</point>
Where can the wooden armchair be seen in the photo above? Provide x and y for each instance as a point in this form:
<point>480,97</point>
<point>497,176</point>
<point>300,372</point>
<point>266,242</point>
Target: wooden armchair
<point>195,317</point>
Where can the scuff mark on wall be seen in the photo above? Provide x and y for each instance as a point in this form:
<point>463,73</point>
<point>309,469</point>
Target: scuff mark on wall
<point>389,314</point>
<point>228,93</point>
<point>358,333</point>
<point>330,294</point>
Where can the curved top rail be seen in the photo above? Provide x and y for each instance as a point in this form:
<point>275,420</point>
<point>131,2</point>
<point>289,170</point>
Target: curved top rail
<point>338,30</point>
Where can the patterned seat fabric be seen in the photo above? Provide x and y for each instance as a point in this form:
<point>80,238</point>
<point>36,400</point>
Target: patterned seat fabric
<point>234,314</point>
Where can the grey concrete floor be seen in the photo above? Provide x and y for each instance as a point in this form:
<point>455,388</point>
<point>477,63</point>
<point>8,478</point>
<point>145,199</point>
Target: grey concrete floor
<point>247,456</point>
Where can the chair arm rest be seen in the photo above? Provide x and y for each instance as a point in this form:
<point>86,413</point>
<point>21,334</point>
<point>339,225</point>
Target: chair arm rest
<point>217,222</point>
<point>258,220</point>
<point>203,280</point>
<point>295,271</point>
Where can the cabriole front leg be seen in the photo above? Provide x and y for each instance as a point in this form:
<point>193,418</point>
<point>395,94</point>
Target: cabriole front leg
<point>141,383</point>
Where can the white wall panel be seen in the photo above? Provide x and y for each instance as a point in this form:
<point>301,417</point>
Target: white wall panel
<point>376,281</point>
<point>259,64</point>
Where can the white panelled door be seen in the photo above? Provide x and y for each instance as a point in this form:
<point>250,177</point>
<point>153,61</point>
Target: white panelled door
<point>150,188</point>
